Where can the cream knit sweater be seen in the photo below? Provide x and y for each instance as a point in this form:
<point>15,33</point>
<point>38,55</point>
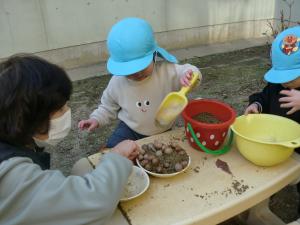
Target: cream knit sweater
<point>136,102</point>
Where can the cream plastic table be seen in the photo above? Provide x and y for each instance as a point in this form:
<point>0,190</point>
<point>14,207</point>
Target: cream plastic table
<point>205,194</point>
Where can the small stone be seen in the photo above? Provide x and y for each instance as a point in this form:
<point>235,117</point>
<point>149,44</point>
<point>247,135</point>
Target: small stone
<point>151,147</point>
<point>184,163</point>
<point>145,147</point>
<point>158,153</point>
<point>181,153</point>
<point>158,169</point>
<point>178,167</point>
<point>166,165</point>
<point>178,148</point>
<point>150,157</point>
<point>155,161</point>
<point>140,157</point>
<point>173,144</point>
<point>168,150</point>
<point>157,144</point>
<point>144,162</point>
<point>148,167</point>
<point>142,151</point>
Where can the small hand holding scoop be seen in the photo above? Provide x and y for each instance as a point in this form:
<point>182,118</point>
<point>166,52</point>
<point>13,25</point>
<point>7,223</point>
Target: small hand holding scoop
<point>174,103</point>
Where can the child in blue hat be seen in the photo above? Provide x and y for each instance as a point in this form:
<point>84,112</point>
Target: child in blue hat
<point>281,96</point>
<point>139,83</point>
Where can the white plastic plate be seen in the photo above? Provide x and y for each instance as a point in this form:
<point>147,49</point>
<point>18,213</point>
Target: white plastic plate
<point>138,182</point>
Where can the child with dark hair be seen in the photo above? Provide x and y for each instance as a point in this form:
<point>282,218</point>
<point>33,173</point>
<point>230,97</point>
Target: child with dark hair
<point>33,109</point>
<point>30,89</point>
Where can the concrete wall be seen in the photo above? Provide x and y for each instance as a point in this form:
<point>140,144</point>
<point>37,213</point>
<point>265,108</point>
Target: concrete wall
<point>283,5</point>
<point>72,32</point>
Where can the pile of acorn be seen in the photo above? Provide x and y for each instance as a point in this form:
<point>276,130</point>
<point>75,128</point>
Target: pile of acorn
<point>163,158</point>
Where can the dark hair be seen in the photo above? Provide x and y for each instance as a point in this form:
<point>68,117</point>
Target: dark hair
<point>30,90</point>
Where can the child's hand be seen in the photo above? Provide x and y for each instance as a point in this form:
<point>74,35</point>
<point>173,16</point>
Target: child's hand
<point>253,108</point>
<point>90,124</point>
<point>291,101</point>
<point>128,149</point>
<point>185,79</point>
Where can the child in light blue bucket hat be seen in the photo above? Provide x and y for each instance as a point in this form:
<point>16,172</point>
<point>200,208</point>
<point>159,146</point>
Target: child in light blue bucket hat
<point>281,96</point>
<point>139,83</point>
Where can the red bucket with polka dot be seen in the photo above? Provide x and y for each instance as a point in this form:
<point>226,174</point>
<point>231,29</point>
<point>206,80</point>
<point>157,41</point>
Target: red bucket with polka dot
<point>209,132</point>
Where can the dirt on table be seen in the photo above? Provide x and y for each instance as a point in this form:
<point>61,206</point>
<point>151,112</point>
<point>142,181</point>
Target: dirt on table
<point>229,77</point>
<point>223,166</point>
<point>238,187</point>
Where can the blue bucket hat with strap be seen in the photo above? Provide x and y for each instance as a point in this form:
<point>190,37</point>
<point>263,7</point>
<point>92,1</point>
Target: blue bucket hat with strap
<point>131,45</point>
<point>285,55</point>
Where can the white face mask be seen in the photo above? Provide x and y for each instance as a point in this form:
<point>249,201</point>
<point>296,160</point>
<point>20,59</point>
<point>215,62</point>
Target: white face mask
<point>59,129</point>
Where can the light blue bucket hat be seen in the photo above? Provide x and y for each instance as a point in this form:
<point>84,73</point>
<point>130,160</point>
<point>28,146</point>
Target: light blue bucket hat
<point>285,55</point>
<point>131,45</point>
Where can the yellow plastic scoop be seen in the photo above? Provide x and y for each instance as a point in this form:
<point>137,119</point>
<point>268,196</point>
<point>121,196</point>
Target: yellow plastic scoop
<point>173,104</point>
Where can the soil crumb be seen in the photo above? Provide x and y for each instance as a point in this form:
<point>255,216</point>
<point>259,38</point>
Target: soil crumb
<point>238,187</point>
<point>196,169</point>
<point>223,166</point>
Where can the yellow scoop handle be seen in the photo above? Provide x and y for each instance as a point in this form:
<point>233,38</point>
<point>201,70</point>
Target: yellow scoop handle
<point>174,103</point>
<point>185,90</point>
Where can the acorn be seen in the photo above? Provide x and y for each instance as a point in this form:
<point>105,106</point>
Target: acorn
<point>178,148</point>
<point>159,169</point>
<point>168,150</point>
<point>184,163</point>
<point>148,167</point>
<point>140,157</point>
<point>144,162</point>
<point>150,157</point>
<point>146,156</point>
<point>142,151</point>
<point>151,147</point>
<point>155,161</point>
<point>145,147</point>
<point>158,153</point>
<point>182,152</point>
<point>157,144</point>
<point>166,165</point>
<point>178,167</point>
<point>173,144</point>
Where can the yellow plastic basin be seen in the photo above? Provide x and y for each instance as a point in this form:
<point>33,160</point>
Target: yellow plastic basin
<point>265,139</point>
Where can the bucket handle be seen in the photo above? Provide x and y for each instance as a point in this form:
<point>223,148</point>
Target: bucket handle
<point>223,150</point>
